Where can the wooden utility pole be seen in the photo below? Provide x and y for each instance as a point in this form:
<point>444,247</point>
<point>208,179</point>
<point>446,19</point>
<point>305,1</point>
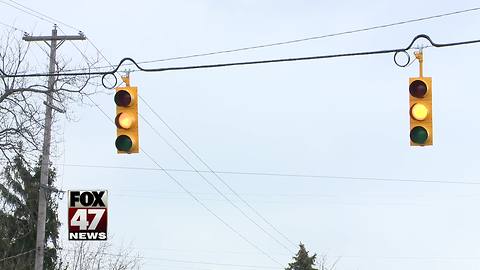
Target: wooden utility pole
<point>55,42</point>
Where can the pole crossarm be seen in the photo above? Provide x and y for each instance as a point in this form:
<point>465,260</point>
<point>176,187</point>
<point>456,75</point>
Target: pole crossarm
<point>81,36</point>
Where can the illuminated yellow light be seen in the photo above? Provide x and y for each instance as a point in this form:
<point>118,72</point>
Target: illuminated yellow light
<point>125,121</point>
<point>419,111</point>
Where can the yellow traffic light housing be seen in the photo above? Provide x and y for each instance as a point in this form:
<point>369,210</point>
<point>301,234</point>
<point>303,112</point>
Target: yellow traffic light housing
<point>421,128</point>
<point>126,119</point>
<point>420,90</point>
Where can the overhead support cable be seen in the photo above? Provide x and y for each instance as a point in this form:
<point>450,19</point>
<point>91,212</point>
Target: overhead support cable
<point>248,63</point>
<point>317,37</point>
<point>47,18</point>
<point>302,39</point>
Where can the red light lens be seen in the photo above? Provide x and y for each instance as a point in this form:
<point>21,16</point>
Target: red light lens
<point>418,89</point>
<point>123,98</point>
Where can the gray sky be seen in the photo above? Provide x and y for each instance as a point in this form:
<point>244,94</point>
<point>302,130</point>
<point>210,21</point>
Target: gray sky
<point>337,117</point>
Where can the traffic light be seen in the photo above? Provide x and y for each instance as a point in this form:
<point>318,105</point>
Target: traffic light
<point>126,120</point>
<point>421,129</point>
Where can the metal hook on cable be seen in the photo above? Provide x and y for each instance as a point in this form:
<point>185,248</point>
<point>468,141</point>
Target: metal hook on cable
<point>405,51</point>
<point>433,44</point>
<point>112,85</point>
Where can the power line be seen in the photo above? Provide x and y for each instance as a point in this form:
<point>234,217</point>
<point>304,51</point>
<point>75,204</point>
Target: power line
<point>101,54</point>
<point>433,258</point>
<point>358,195</point>
<point>27,12</point>
<point>214,186</point>
<point>323,203</point>
<point>186,261</point>
<point>203,177</point>
<point>219,251</point>
<point>317,37</point>
<point>211,211</point>
<point>45,17</point>
<point>91,66</point>
<point>304,39</point>
<point>53,20</point>
<point>77,48</point>
<point>195,197</point>
<point>39,15</point>
<point>294,175</point>
<point>145,119</point>
<point>216,175</point>
<point>210,183</point>
<point>408,258</point>
<point>13,27</point>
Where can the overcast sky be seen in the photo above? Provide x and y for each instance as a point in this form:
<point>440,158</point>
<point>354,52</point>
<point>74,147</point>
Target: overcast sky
<point>337,117</point>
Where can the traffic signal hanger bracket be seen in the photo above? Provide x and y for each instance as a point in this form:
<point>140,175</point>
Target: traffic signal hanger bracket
<point>419,57</point>
<point>126,78</point>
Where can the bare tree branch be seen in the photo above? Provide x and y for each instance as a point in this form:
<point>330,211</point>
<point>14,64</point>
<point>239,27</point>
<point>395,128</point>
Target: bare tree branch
<point>86,255</point>
<point>21,99</point>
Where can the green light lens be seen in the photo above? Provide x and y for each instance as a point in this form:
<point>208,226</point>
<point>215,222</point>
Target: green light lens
<point>419,135</point>
<point>123,143</point>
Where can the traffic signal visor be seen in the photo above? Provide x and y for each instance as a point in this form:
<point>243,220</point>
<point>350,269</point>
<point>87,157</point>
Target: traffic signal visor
<point>126,120</point>
<point>421,129</point>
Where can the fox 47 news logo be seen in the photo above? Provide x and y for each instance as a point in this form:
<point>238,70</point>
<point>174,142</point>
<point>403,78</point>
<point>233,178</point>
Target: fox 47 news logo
<point>87,215</point>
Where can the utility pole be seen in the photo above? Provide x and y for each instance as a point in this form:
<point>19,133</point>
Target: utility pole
<point>55,42</point>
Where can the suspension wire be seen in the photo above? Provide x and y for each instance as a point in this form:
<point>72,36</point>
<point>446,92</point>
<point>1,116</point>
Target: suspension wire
<point>194,196</point>
<point>112,72</point>
<point>217,176</point>
<point>301,39</point>
<point>45,17</point>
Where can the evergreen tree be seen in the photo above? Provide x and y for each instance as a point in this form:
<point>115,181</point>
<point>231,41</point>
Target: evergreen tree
<point>302,261</point>
<point>19,188</point>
